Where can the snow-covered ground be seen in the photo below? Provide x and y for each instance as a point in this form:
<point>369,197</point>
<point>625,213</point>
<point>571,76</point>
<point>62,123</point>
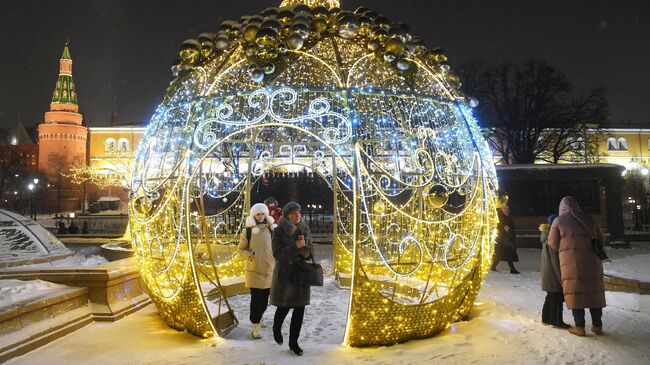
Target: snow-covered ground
<point>14,293</point>
<point>505,328</point>
<point>77,260</point>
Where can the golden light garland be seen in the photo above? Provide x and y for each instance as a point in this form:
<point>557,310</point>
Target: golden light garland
<point>358,100</point>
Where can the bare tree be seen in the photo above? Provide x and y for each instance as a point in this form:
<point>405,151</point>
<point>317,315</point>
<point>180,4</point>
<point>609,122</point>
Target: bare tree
<point>10,163</point>
<point>529,112</point>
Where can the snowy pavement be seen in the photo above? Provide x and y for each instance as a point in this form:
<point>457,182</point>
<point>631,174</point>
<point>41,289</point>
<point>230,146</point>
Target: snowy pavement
<point>504,329</point>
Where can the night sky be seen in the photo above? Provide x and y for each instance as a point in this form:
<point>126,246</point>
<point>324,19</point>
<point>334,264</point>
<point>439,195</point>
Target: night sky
<point>122,49</point>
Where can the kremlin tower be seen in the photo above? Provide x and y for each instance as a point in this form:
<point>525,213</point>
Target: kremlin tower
<point>62,139</point>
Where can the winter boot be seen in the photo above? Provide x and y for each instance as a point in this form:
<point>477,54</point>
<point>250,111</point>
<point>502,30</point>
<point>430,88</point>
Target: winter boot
<point>597,330</point>
<point>559,319</point>
<point>255,332</point>
<point>277,335</point>
<point>296,349</point>
<point>578,331</point>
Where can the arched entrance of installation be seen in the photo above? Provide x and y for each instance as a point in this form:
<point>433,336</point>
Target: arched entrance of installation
<point>217,207</point>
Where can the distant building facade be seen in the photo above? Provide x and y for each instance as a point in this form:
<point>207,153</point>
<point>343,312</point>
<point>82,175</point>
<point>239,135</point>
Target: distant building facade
<point>112,149</point>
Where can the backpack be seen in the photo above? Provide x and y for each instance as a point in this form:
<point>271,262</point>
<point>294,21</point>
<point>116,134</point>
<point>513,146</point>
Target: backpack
<point>249,233</point>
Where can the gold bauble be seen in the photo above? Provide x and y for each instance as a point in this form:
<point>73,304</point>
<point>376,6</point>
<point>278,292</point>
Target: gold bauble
<point>189,55</point>
<point>395,46</point>
<point>320,25</point>
<point>142,205</point>
<point>266,37</point>
<point>250,32</point>
<point>437,199</point>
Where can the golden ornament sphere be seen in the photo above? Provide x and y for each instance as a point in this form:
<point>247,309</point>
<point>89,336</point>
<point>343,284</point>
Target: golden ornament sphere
<point>437,199</point>
<point>250,32</point>
<point>320,25</point>
<point>189,55</point>
<point>266,37</point>
<point>395,46</point>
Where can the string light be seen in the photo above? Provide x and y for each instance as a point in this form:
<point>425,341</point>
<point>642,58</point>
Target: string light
<point>356,99</point>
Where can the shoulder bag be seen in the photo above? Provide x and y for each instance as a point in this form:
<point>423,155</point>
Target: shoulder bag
<point>306,273</point>
<point>599,250</point>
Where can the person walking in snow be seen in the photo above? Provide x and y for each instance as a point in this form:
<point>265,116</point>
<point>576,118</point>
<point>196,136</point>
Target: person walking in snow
<point>581,269</point>
<point>552,311</point>
<point>256,248</point>
<point>291,243</point>
<point>505,248</point>
<point>274,209</point>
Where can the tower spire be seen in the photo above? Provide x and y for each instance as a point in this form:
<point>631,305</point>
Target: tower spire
<point>65,96</point>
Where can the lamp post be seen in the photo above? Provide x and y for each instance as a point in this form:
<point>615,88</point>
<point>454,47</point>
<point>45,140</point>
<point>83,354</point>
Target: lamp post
<point>35,199</point>
<point>30,186</point>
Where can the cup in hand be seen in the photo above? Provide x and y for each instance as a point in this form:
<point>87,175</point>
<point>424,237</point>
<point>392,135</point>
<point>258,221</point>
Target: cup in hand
<point>300,241</point>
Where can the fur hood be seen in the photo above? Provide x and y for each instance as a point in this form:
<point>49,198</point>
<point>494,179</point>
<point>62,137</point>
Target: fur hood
<point>256,209</point>
<point>291,228</point>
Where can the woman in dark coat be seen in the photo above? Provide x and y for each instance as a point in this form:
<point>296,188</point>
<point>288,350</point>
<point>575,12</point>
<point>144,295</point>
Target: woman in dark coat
<point>291,243</point>
<point>552,311</point>
<point>580,268</point>
<point>505,248</point>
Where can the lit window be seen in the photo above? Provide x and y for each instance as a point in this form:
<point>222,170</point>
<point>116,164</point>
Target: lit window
<point>123,145</point>
<point>612,145</point>
<point>622,144</point>
<point>109,145</point>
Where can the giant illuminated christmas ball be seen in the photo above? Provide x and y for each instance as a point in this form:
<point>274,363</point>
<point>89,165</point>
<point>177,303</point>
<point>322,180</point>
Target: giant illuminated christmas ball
<point>352,97</point>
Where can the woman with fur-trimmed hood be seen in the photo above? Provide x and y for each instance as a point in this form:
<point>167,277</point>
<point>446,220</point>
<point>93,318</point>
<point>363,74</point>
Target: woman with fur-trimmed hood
<point>291,243</point>
<point>581,269</point>
<point>256,249</point>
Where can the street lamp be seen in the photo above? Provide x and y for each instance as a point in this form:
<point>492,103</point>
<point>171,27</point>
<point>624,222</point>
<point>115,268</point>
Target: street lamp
<point>35,198</point>
<point>31,195</point>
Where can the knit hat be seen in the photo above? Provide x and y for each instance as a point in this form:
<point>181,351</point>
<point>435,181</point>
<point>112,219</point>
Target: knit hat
<point>270,200</point>
<point>551,218</point>
<point>290,207</point>
<point>255,210</point>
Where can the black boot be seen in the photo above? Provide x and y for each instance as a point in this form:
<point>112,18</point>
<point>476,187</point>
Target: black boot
<point>278,319</point>
<point>559,317</point>
<point>547,310</point>
<point>294,330</point>
<point>277,336</point>
<point>296,349</point>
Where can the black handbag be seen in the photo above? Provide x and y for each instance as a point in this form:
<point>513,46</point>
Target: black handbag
<point>597,245</point>
<point>306,273</point>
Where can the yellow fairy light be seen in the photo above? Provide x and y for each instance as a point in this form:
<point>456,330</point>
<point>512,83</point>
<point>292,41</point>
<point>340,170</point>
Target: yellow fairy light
<point>352,97</point>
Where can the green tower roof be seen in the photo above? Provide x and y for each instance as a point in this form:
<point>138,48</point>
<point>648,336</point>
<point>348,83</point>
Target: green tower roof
<point>64,91</point>
<point>66,53</point>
